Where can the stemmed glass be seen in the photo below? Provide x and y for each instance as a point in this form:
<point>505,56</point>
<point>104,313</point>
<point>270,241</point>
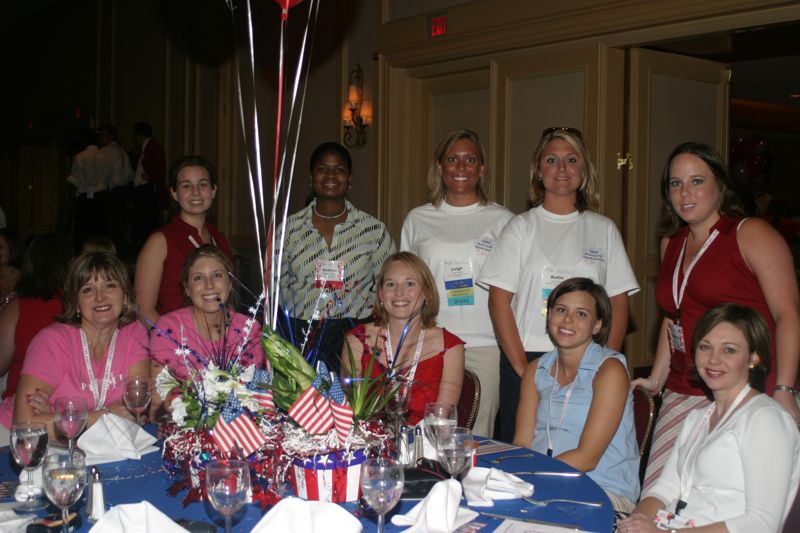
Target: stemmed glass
<point>64,476</point>
<point>397,405</point>
<point>28,445</point>
<point>455,450</point>
<point>137,395</point>
<point>439,417</point>
<point>382,485</point>
<point>228,487</point>
<point>69,415</point>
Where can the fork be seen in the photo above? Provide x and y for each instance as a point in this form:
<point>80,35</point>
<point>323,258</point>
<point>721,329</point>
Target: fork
<point>542,503</point>
<point>498,460</point>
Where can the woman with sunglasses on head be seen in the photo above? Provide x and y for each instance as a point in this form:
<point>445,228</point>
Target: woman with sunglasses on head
<point>735,466</point>
<point>454,234</point>
<point>712,254</point>
<point>559,238</point>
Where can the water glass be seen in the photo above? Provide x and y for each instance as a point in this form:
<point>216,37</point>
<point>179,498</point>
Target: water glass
<point>228,487</point>
<point>69,415</point>
<point>64,475</point>
<point>438,417</point>
<point>455,449</point>
<point>382,485</point>
<point>28,445</point>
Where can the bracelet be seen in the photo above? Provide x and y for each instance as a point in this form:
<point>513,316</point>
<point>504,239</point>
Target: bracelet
<point>655,381</point>
<point>786,388</point>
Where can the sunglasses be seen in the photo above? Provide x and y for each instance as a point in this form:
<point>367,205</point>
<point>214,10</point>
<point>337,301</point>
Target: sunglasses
<point>556,129</point>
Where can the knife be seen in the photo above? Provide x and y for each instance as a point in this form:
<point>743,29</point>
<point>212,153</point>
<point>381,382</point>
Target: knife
<point>529,520</point>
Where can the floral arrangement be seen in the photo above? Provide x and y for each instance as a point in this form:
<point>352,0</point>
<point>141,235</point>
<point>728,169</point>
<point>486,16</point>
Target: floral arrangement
<point>289,421</point>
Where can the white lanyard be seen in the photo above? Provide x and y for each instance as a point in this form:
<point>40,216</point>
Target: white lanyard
<point>417,353</point>
<point>678,296</point>
<point>551,442</point>
<point>197,244</point>
<point>99,397</point>
<point>696,442</point>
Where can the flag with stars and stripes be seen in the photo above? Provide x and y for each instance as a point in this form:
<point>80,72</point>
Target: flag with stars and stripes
<point>342,412</point>
<point>262,394</point>
<point>312,410</point>
<point>235,427</point>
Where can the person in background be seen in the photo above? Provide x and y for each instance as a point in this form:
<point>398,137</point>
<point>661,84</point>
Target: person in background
<point>119,182</point>
<point>39,294</point>
<point>90,172</point>
<point>735,465</point>
<point>559,238</point>
<point>430,358</point>
<point>9,273</point>
<point>96,344</point>
<point>193,185</point>
<point>575,402</point>
<point>711,254</point>
<point>99,243</point>
<point>150,194</point>
<point>332,254</point>
<point>209,326</point>
<point>454,235</point>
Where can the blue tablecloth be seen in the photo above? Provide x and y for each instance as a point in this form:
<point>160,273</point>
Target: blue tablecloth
<point>134,481</point>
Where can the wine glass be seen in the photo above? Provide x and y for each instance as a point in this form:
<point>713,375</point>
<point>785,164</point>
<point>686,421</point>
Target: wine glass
<point>28,445</point>
<point>455,449</point>
<point>438,417</point>
<point>398,403</point>
<point>69,415</point>
<point>228,487</point>
<point>64,475</point>
<point>137,395</point>
<point>382,485</point>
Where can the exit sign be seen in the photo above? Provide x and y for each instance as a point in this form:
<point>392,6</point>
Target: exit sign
<point>437,24</point>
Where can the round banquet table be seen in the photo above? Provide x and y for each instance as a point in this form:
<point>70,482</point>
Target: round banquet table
<point>132,481</point>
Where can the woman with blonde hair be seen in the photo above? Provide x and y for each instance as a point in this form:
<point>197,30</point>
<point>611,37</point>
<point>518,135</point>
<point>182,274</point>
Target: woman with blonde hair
<point>559,238</point>
<point>454,235</point>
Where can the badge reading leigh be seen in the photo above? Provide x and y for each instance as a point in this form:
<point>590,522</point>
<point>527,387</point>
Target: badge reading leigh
<point>329,275</point>
<point>459,282</point>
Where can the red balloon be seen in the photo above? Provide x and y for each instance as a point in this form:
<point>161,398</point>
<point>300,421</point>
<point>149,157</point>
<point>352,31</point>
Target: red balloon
<point>287,4</point>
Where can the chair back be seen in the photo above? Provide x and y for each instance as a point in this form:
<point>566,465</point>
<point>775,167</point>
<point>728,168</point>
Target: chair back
<point>644,415</point>
<point>469,399</point>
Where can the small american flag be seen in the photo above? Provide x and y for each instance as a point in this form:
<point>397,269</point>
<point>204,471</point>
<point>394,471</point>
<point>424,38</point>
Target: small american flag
<point>262,394</point>
<point>235,426</point>
<point>312,410</point>
<point>342,412</point>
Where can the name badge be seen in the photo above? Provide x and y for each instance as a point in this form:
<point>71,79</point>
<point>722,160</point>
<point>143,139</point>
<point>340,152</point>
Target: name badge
<point>550,278</point>
<point>329,275</point>
<point>676,338</point>
<point>459,282</point>
<point>666,520</point>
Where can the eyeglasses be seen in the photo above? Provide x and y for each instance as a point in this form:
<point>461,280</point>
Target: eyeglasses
<point>565,129</point>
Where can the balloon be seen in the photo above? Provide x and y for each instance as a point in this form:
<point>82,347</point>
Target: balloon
<point>287,4</point>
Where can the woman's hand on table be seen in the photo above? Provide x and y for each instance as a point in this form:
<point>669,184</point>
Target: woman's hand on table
<point>637,523</point>
<point>39,402</point>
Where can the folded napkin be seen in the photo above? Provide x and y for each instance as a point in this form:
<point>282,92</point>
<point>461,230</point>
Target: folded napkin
<point>295,515</point>
<point>135,517</point>
<point>21,494</point>
<point>11,522</point>
<point>113,438</point>
<point>483,485</point>
<point>439,512</point>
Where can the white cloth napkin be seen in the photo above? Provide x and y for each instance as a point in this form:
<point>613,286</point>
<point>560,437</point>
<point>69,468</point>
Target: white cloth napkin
<point>439,512</point>
<point>484,485</point>
<point>295,515</point>
<point>10,521</point>
<point>113,438</point>
<point>135,518</point>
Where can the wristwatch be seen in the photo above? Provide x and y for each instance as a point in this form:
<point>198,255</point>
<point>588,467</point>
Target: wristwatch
<point>787,388</point>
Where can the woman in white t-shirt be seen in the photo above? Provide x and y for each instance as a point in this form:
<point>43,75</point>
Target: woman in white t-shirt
<point>453,235</point>
<point>559,238</point>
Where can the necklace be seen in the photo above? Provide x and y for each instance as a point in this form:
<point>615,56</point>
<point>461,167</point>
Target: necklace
<point>326,217</point>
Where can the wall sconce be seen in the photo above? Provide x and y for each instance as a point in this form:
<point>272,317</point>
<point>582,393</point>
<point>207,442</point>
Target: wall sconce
<point>357,114</point>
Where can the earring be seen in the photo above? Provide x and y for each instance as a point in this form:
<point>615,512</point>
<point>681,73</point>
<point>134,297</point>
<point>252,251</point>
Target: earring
<point>79,315</point>
<point>751,366</point>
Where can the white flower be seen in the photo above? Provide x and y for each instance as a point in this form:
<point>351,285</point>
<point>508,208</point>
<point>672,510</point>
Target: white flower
<point>217,382</point>
<point>178,411</point>
<point>165,382</point>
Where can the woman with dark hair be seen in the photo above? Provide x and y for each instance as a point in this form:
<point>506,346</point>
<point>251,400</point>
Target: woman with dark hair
<point>331,258</point>
<point>560,238</point>
<point>575,403</point>
<point>39,300</point>
<point>430,358</point>
<point>9,273</point>
<point>207,329</point>
<point>454,235</point>
<point>193,186</point>
<point>735,465</point>
<point>96,344</point>
<point>711,254</point>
